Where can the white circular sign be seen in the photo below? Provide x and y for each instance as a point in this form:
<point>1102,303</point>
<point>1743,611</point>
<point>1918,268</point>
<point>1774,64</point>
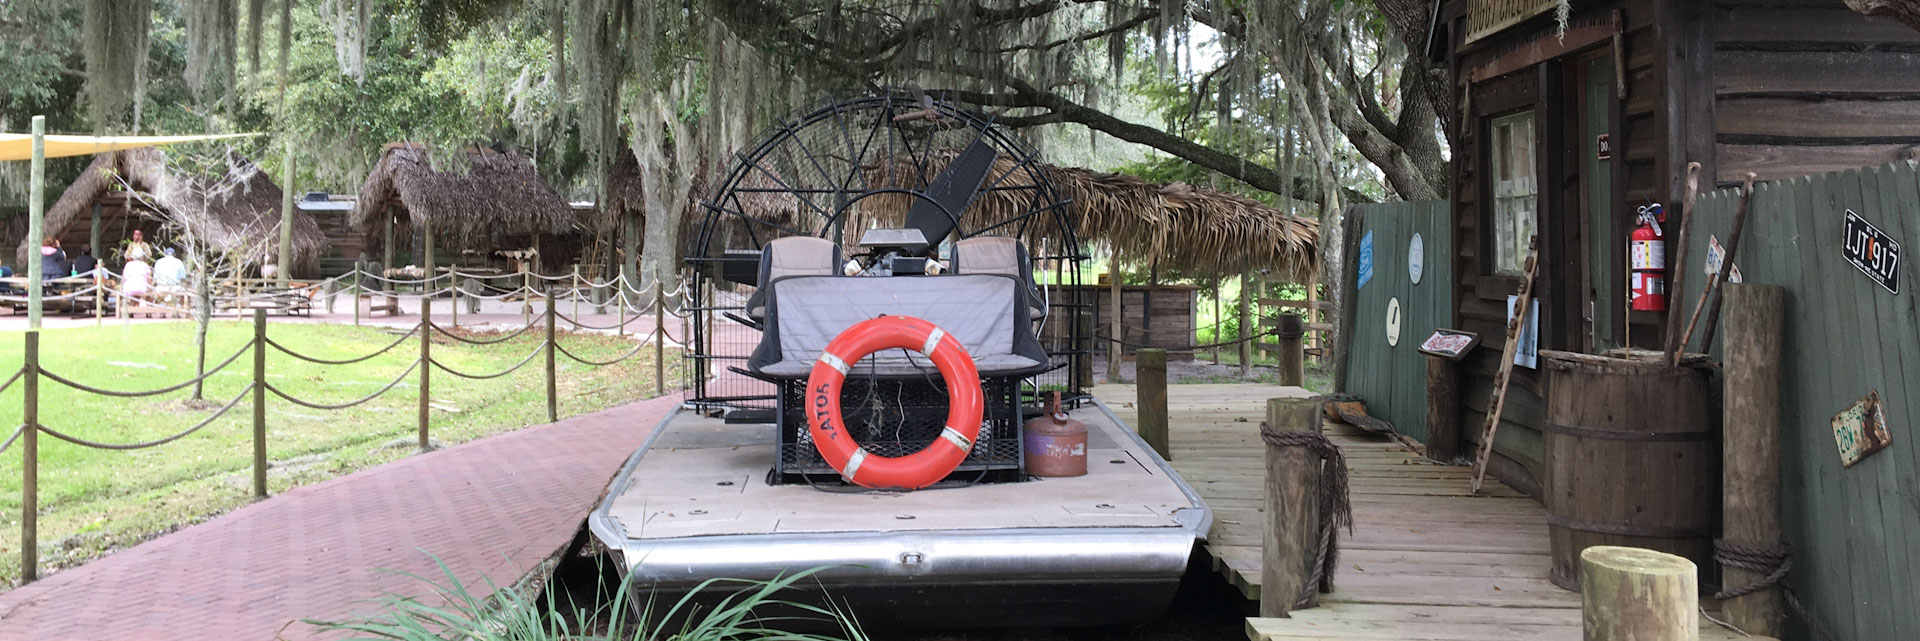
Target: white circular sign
<point>1416,258</point>
<point>1393,322</point>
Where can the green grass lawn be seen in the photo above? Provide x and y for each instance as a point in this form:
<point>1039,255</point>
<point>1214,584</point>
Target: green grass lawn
<point>92,500</point>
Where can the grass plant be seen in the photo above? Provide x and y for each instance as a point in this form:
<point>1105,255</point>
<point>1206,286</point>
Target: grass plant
<point>717,610</point>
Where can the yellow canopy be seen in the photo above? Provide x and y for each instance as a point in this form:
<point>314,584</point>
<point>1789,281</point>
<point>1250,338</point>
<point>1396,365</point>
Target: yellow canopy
<point>20,146</point>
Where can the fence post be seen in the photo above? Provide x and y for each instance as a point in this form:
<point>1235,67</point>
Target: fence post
<point>553,413</point>
<point>1290,330</point>
<point>526,300</point>
<point>30,461</point>
<point>1150,375</point>
<point>620,301</point>
<point>356,296</point>
<point>576,291</point>
<point>455,279</point>
<point>99,292</point>
<point>1287,551</point>
<point>659,338</point>
<point>1443,402</point>
<point>426,374</point>
<point>259,403</point>
<point>1246,320</point>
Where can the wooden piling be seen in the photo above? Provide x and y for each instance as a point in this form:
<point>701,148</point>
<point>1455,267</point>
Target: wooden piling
<point>1443,416</point>
<point>30,460</point>
<point>1288,547</point>
<point>1150,373</point>
<point>1631,594</point>
<point>1752,445</point>
<point>259,403</point>
<point>1291,332</point>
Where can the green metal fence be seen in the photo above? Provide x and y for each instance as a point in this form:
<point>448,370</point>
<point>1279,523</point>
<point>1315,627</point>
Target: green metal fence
<point>1392,374</point>
<point>1855,530</point>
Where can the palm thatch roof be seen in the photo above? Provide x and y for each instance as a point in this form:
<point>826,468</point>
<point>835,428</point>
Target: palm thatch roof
<point>498,192</point>
<point>241,209</point>
<point>1197,230</point>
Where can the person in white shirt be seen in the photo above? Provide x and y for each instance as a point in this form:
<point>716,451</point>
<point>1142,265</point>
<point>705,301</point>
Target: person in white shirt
<point>170,273</point>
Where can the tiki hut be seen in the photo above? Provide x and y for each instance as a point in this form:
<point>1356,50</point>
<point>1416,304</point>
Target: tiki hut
<point>496,202</point>
<point>1202,231</point>
<point>135,189</point>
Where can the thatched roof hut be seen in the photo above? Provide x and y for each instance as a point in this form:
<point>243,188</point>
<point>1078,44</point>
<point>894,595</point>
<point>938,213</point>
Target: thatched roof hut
<point>498,193</point>
<point>1194,229</point>
<point>136,189</point>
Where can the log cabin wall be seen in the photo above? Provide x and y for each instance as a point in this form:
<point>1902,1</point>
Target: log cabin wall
<point>1809,86</point>
<point>1532,66</point>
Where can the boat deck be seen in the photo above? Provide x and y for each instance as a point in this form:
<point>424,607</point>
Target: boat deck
<point>704,477</point>
<point>1427,559</point>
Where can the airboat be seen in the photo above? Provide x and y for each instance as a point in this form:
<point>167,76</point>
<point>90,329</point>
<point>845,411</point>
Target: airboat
<point>883,313</point>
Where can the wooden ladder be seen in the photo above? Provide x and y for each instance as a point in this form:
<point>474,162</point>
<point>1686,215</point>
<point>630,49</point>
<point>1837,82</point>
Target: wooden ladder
<point>1499,401</point>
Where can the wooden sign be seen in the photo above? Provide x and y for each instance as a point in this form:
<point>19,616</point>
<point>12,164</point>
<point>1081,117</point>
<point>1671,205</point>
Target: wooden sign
<point>1861,430</point>
<point>1872,251</point>
<point>1450,344</point>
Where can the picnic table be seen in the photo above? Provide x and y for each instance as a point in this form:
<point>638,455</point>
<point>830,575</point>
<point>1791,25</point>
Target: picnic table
<point>15,293</point>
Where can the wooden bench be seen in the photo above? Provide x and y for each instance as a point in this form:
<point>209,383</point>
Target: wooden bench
<point>379,302</point>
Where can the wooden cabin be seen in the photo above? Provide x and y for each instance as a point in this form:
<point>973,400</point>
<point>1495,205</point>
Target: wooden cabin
<point>1564,130</point>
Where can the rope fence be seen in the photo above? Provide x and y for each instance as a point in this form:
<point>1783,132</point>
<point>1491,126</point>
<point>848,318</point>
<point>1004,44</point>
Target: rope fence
<point>425,331</point>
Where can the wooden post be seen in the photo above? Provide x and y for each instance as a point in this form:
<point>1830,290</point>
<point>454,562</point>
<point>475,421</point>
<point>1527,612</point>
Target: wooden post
<point>356,296</point>
<point>30,455</point>
<point>286,219</point>
<point>1246,324</point>
<point>93,236</point>
<point>386,250</point>
<point>526,298</point>
<point>1443,416</point>
<point>426,344</point>
<point>1217,321</point>
<point>1631,594</point>
<point>553,399</point>
<point>99,293</point>
<point>1289,547</point>
<point>36,210</point>
<point>455,279</point>
<point>1291,333</point>
<point>1150,373</point>
<point>659,338</point>
<point>1085,364</point>
<point>1114,332</point>
<point>620,301</point>
<point>1752,442</point>
<point>259,403</point>
<point>576,291</point>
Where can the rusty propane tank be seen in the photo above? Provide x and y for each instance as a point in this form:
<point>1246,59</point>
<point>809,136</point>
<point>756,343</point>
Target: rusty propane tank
<point>1056,444</point>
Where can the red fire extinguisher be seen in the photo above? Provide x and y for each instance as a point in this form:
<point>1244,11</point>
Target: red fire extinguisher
<point>1649,257</point>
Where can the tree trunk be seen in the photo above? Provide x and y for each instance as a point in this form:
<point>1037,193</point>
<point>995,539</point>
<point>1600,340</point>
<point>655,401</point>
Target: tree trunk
<point>203,316</point>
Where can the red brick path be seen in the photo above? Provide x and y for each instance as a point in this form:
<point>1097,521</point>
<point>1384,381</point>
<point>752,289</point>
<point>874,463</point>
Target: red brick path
<point>491,508</point>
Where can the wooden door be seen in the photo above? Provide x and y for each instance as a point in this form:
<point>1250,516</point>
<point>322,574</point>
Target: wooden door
<point>1600,210</point>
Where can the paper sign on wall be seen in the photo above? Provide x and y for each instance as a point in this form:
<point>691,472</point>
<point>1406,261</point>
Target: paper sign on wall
<point>1527,353</point>
<point>1366,259</point>
<point>1715,256</point>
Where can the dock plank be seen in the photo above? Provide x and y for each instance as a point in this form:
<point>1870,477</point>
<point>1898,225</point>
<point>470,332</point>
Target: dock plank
<point>1427,560</point>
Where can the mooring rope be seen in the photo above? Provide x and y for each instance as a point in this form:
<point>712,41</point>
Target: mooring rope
<point>1336,509</point>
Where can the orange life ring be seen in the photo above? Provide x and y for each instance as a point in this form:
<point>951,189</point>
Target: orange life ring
<point>916,470</point>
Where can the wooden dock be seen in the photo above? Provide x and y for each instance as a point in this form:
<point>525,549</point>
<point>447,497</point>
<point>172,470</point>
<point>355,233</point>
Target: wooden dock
<point>1427,559</point>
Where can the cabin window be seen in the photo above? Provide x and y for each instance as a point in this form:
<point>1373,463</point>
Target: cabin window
<point>1515,194</point>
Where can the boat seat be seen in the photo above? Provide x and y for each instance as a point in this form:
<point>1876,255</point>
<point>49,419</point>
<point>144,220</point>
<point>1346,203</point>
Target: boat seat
<point>1000,255</point>
<point>791,256</point>
<point>988,313</point>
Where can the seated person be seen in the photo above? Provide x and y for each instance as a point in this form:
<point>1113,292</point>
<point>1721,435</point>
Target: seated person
<point>53,261</point>
<point>169,274</point>
<point>138,280</point>
<point>85,263</point>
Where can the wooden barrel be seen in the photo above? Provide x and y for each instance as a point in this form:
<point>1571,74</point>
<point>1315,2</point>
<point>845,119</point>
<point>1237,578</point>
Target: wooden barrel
<point>1633,459</point>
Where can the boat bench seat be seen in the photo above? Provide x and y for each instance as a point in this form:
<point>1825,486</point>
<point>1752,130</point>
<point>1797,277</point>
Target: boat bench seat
<point>988,313</point>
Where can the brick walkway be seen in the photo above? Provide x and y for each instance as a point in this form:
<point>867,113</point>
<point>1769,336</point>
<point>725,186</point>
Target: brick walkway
<point>490,508</point>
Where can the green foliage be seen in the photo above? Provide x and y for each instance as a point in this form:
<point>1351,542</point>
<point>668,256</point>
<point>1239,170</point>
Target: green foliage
<point>740,613</point>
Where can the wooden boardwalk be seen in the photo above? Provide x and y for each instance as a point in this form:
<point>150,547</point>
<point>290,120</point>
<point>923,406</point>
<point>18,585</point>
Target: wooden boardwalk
<point>1427,559</point>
